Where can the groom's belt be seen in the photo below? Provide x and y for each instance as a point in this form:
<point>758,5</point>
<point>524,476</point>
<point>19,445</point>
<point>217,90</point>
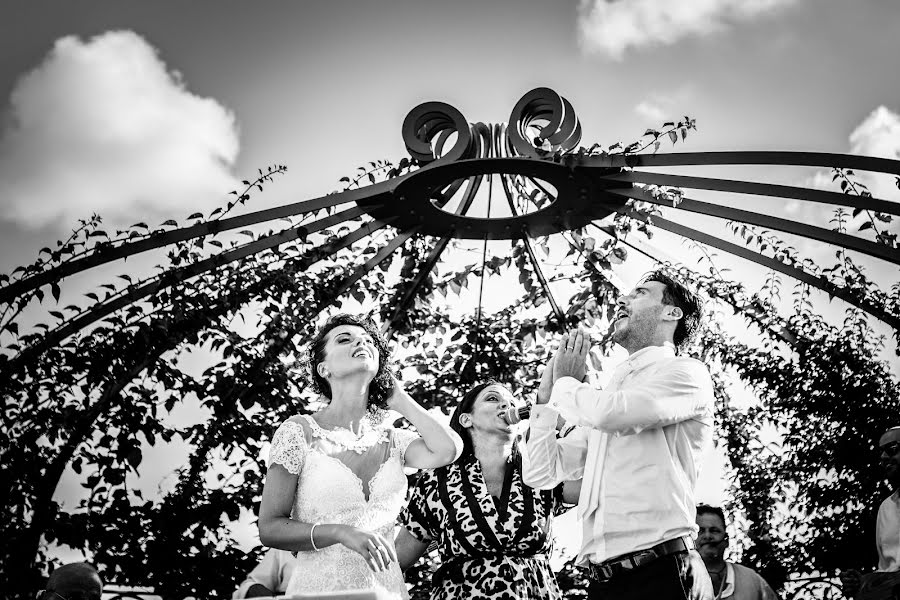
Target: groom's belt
<point>633,560</point>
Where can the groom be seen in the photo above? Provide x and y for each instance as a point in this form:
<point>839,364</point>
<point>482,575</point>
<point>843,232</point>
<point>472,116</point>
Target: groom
<point>638,447</point>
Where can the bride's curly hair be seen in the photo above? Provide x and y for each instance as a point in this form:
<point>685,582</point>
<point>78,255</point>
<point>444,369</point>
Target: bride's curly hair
<point>382,385</point>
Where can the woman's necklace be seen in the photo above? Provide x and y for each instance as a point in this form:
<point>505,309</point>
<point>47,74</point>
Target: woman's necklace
<point>346,438</point>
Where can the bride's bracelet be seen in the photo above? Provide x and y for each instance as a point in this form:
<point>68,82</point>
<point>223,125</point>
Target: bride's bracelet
<point>311,540</point>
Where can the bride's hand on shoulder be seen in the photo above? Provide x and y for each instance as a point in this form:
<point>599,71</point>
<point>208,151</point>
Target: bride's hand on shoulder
<point>399,398</point>
<point>374,549</point>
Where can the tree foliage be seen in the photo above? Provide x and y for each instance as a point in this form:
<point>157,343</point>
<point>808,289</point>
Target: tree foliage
<point>94,401</point>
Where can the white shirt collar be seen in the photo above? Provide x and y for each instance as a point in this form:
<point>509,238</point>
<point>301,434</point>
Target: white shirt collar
<point>649,354</point>
<point>728,587</point>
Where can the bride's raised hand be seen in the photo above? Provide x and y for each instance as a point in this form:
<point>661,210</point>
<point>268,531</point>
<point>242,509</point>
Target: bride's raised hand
<point>398,395</point>
<point>377,552</point>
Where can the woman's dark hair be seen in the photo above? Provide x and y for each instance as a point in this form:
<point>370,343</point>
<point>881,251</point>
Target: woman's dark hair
<point>691,305</point>
<point>465,406</point>
<point>381,387</point>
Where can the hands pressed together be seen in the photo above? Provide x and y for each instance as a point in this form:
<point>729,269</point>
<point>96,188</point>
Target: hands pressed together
<point>569,360</point>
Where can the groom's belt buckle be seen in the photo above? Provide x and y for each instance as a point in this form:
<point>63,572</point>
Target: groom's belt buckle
<point>609,569</point>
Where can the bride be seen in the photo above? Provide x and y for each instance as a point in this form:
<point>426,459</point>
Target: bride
<point>335,482</point>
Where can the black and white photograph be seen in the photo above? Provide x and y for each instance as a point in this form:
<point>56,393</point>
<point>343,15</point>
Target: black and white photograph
<point>494,300</point>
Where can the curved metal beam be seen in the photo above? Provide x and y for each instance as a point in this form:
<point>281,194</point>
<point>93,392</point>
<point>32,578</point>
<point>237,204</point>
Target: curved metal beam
<point>756,189</point>
<point>785,335</point>
<point>106,254</point>
<point>370,264</point>
<point>526,240</point>
<point>175,276</point>
<point>793,159</point>
<point>828,236</point>
<point>424,269</point>
<point>768,262</point>
<point>343,285</point>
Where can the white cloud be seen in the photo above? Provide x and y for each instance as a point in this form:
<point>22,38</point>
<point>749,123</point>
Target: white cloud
<point>650,111</point>
<point>878,135</point>
<point>659,107</point>
<point>611,27</point>
<point>102,126</point>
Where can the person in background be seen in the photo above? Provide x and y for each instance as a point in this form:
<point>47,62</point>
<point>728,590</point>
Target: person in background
<point>729,580</point>
<point>270,577</point>
<point>75,581</point>
<point>887,527</point>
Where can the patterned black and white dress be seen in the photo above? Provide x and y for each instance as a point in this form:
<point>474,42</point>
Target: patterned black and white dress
<point>490,548</point>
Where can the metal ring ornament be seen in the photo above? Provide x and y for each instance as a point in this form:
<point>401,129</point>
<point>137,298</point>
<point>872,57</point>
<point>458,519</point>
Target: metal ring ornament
<point>562,131</point>
<point>428,126</point>
<point>576,202</point>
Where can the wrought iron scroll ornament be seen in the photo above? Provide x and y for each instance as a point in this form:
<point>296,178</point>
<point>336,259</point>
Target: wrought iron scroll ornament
<point>540,144</point>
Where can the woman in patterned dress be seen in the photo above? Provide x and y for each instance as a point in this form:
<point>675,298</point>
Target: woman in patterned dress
<point>492,531</point>
<point>335,482</point>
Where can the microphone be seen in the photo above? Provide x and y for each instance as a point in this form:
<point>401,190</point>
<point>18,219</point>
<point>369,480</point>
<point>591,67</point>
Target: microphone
<point>513,415</point>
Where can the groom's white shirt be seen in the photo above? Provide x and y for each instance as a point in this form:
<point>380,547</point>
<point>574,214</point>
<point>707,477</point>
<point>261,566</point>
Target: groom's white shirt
<point>638,449</point>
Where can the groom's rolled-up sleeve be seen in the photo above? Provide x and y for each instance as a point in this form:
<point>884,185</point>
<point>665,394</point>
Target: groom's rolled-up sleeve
<point>679,393</point>
<point>547,460</point>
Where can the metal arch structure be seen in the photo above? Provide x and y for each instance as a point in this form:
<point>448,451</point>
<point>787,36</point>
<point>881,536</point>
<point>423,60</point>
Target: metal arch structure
<point>454,157</point>
<point>429,204</point>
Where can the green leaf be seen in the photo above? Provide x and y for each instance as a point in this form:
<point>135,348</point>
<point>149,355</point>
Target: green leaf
<point>54,289</point>
<point>196,215</point>
<point>673,136</point>
<point>134,458</point>
<point>170,223</point>
<point>866,225</point>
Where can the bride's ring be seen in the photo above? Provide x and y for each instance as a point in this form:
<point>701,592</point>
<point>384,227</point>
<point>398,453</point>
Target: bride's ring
<point>375,547</point>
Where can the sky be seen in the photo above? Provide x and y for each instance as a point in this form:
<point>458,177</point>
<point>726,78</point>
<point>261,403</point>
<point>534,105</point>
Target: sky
<point>148,111</point>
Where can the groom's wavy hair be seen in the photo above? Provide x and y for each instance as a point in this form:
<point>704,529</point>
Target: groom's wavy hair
<point>382,385</point>
<point>677,294</point>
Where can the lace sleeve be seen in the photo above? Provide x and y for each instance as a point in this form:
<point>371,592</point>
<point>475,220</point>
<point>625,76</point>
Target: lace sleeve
<point>402,440</point>
<point>289,447</point>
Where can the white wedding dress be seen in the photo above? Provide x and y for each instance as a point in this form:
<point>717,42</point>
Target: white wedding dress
<point>348,479</point>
